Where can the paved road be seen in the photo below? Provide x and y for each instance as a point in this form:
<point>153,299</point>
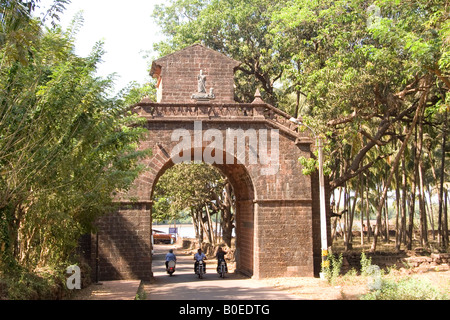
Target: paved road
<point>185,285</point>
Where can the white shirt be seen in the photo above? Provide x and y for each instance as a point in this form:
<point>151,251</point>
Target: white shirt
<point>199,257</point>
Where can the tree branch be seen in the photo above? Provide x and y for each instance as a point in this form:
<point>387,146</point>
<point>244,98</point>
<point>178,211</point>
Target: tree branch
<point>368,136</point>
<point>443,78</point>
<point>342,120</point>
<point>353,173</point>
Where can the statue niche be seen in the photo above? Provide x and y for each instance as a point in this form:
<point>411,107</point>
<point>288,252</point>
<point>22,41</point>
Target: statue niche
<point>201,94</point>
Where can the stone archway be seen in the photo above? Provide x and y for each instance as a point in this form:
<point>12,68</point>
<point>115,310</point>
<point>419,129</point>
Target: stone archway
<point>278,220</point>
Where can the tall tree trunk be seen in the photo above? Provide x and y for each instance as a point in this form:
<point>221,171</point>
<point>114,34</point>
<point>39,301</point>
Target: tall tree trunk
<point>336,210</point>
<point>423,215</point>
<point>404,196</point>
<point>441,227</point>
<point>195,222</point>
<point>210,233</point>
<point>200,227</point>
<point>349,245</point>
<point>204,223</point>
<point>413,195</point>
<point>410,233</point>
<point>217,227</point>
<point>397,212</point>
<point>361,182</point>
<point>386,220</point>
<point>412,200</point>
<point>297,105</point>
<point>429,205</point>
<point>227,216</point>
<point>369,226</point>
<point>446,221</point>
<point>225,204</point>
<point>345,215</point>
<point>334,226</point>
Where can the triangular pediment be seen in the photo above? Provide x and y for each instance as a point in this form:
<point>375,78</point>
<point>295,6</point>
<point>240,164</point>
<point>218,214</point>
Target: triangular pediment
<point>178,76</point>
<point>156,65</point>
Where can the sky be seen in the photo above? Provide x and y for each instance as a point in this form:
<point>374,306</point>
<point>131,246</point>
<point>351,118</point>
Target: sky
<point>127,30</point>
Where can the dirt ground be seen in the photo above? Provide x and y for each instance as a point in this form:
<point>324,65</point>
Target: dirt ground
<point>109,290</point>
<point>350,288</point>
<point>316,289</point>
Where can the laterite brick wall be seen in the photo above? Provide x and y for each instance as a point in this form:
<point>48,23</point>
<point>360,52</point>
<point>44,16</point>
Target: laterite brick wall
<point>124,239</point>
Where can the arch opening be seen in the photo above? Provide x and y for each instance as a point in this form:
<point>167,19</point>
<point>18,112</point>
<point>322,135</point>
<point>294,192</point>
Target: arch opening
<point>243,193</point>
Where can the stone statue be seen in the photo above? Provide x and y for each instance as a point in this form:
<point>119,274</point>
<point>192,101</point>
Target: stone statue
<point>201,82</point>
<point>201,94</point>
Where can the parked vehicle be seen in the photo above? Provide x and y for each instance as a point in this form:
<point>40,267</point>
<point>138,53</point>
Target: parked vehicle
<point>162,237</point>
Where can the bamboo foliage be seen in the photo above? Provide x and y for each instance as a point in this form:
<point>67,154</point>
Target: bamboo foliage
<point>65,147</point>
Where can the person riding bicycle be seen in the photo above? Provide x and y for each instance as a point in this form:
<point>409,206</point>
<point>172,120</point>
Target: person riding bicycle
<point>199,256</point>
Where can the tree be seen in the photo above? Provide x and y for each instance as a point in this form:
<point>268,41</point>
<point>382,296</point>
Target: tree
<point>365,78</point>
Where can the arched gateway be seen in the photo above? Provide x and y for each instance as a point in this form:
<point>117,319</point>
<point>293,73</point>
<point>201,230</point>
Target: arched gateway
<point>255,146</point>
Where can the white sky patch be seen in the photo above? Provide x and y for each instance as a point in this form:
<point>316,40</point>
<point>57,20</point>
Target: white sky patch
<point>125,27</point>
